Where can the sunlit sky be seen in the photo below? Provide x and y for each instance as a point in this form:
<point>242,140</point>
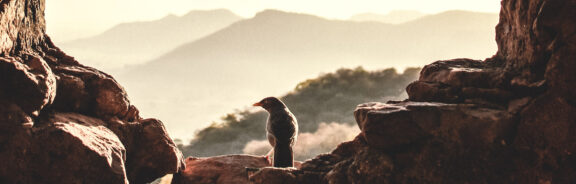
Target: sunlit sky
<point>78,18</point>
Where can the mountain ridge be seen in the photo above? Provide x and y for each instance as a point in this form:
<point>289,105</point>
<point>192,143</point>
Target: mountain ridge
<point>393,17</point>
<point>137,42</point>
<point>271,18</point>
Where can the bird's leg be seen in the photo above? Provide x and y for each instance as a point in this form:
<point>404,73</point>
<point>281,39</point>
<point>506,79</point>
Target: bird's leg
<point>268,156</point>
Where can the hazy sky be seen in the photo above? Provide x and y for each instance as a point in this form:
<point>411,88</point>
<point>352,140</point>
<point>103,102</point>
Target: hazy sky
<point>77,18</point>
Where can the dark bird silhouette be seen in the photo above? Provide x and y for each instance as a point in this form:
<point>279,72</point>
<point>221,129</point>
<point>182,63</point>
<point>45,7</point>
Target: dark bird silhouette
<point>282,130</point>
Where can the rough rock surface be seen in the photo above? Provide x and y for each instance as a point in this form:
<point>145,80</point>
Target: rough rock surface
<point>223,169</point>
<point>61,121</point>
<point>508,119</point>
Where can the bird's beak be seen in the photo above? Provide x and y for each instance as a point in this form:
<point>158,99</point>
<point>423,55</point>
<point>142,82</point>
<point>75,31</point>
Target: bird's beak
<point>257,104</point>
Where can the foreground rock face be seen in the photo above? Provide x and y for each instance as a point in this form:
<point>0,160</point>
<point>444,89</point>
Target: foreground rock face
<point>61,121</point>
<point>221,169</point>
<point>508,119</point>
<point>227,169</point>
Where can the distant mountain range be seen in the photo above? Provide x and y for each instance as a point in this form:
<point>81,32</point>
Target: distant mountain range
<point>270,53</point>
<point>394,17</point>
<point>137,42</point>
<point>275,38</point>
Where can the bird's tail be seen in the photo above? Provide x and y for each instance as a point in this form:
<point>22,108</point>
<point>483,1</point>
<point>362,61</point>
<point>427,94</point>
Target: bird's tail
<point>283,155</point>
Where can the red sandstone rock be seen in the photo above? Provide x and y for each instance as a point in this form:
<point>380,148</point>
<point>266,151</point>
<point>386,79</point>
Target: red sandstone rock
<point>269,175</point>
<point>28,83</point>
<point>391,126</point>
<point>151,152</point>
<point>89,91</point>
<point>461,73</point>
<point>436,92</point>
<point>535,39</point>
<point>233,169</point>
<point>459,80</point>
<point>72,145</point>
<point>221,169</point>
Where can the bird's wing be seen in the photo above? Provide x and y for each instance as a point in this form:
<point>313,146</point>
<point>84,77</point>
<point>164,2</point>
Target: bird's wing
<point>283,127</point>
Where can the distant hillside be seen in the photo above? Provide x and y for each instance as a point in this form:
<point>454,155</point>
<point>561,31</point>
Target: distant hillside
<point>136,42</point>
<point>329,98</point>
<point>394,17</point>
<point>279,37</point>
<point>270,53</point>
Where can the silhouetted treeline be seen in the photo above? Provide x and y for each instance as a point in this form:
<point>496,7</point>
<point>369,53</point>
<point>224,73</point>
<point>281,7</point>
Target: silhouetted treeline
<point>331,97</point>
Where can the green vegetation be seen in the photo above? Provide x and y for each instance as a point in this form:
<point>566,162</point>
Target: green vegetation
<point>329,98</point>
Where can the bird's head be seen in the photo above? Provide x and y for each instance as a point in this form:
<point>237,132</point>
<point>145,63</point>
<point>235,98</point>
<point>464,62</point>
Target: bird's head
<point>269,103</point>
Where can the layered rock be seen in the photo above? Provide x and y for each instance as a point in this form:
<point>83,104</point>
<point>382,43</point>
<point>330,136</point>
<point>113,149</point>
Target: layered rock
<point>61,121</point>
<point>232,169</point>
<point>220,169</point>
<point>508,119</point>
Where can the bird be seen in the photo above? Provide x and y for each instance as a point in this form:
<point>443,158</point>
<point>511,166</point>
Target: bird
<point>281,130</point>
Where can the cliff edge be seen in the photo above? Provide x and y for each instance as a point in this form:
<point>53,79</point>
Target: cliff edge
<point>508,119</point>
<point>61,121</point>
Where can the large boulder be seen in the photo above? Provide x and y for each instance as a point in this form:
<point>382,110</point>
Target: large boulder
<point>219,170</point>
<point>235,169</point>
<point>395,125</point>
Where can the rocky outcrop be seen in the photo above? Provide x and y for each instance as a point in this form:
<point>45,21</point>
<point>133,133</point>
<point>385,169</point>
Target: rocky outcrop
<point>231,169</point>
<point>508,119</point>
<point>61,121</point>
<point>220,169</point>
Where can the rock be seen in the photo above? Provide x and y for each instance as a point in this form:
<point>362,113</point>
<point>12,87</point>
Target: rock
<point>290,175</point>
<point>436,92</point>
<point>458,80</point>
<point>67,145</point>
<point>534,38</point>
<point>145,165</point>
<point>323,162</point>
<point>221,169</point>
<point>23,27</point>
<point>273,175</point>
<point>73,95</point>
<point>461,73</point>
<point>367,166</point>
<point>537,37</point>
<point>12,116</point>
<point>31,86</point>
<point>63,122</point>
<point>93,91</point>
<point>547,137</point>
<point>491,94</point>
<point>390,126</point>
<point>236,169</point>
